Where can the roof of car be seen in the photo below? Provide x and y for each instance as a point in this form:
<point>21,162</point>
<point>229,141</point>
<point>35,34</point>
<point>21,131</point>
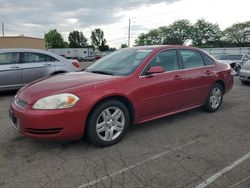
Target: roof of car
<point>5,50</point>
<point>152,47</point>
<point>22,50</point>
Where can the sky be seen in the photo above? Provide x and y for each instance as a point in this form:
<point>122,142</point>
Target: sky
<point>35,18</point>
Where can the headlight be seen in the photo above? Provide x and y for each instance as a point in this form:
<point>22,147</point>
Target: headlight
<point>60,101</point>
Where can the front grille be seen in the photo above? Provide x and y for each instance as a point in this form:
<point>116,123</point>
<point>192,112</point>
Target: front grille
<point>44,131</point>
<point>20,103</point>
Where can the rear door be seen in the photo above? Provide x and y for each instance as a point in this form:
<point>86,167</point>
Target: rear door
<point>10,70</point>
<point>199,76</point>
<point>36,66</point>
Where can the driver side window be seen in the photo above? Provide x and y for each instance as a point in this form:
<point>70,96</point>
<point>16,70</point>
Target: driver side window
<point>166,59</point>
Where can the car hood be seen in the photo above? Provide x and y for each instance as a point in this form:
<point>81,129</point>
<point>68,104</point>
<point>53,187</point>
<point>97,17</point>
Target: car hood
<point>58,84</point>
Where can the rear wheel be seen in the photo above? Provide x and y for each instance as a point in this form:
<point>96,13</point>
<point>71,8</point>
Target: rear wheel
<point>214,99</point>
<point>243,82</point>
<point>108,123</point>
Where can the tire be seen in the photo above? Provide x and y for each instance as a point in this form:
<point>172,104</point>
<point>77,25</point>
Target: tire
<point>215,98</point>
<point>243,82</point>
<point>237,68</point>
<point>108,123</point>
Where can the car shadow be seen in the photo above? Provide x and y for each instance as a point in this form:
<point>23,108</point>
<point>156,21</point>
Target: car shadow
<point>8,93</point>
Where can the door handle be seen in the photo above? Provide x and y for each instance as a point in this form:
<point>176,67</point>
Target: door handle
<point>14,67</point>
<point>47,64</point>
<point>177,77</point>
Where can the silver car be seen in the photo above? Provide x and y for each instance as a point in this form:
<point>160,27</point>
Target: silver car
<point>19,67</point>
<point>234,60</point>
<point>244,74</point>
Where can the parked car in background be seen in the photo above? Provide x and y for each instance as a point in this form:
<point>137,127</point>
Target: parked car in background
<point>74,62</point>
<point>129,86</point>
<point>235,61</point>
<point>19,67</point>
<point>89,58</point>
<point>97,57</point>
<point>244,74</point>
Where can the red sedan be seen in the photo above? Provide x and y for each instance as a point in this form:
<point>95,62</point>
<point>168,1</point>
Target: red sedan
<point>127,87</point>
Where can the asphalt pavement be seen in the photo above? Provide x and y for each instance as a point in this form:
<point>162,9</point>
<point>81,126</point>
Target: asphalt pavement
<point>190,149</point>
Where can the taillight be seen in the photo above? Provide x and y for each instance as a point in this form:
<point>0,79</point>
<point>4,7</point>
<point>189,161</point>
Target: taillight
<point>76,64</point>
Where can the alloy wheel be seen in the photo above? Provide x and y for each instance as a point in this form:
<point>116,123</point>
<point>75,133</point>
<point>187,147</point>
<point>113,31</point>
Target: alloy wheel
<point>215,98</point>
<point>110,123</point>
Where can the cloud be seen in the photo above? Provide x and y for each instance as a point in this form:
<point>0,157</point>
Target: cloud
<point>34,18</point>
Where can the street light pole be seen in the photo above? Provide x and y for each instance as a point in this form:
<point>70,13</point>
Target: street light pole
<point>129,27</point>
<point>3,29</point>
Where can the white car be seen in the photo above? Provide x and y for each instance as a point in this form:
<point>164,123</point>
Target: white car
<point>235,61</point>
<point>244,74</point>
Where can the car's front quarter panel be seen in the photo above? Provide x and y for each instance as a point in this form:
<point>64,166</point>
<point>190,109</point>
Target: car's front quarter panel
<point>50,124</point>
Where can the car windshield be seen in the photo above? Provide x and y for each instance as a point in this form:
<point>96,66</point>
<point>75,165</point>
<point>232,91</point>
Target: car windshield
<point>120,63</point>
<point>231,57</point>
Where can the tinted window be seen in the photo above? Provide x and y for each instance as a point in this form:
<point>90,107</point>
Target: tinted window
<point>245,58</point>
<point>167,59</point>
<point>231,57</point>
<point>122,62</point>
<point>191,58</point>
<point>37,57</point>
<point>9,58</point>
<point>208,60</point>
<point>51,59</point>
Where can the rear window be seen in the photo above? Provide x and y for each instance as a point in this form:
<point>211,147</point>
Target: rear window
<point>208,60</point>
<point>191,58</point>
<point>231,57</point>
<point>37,57</point>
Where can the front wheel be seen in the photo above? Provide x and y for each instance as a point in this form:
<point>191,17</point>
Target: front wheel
<point>108,123</point>
<point>214,99</point>
<point>237,68</point>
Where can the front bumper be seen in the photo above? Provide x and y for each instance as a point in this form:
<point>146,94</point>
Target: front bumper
<point>63,125</point>
<point>244,75</point>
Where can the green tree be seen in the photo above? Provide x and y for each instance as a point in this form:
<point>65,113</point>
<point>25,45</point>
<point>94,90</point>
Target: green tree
<point>98,40</point>
<point>65,44</point>
<point>205,34</point>
<point>177,33</point>
<point>53,39</point>
<point>124,45</point>
<point>77,40</point>
<point>238,33</point>
<point>150,38</point>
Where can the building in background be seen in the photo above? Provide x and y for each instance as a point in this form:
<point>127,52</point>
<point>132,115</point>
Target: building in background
<point>22,42</point>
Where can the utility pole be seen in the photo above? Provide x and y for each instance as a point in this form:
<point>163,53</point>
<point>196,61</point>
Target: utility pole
<point>129,27</point>
<point>3,29</point>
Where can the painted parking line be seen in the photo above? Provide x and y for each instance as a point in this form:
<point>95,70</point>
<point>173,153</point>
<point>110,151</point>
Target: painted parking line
<point>96,181</point>
<point>223,171</point>
<point>240,182</point>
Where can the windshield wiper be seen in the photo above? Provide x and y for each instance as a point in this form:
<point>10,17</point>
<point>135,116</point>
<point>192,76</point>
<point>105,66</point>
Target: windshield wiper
<point>100,72</point>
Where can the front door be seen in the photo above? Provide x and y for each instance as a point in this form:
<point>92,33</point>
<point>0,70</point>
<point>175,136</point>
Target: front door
<point>160,93</point>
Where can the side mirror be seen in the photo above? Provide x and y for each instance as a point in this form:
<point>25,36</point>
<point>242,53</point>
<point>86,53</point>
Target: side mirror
<point>155,70</point>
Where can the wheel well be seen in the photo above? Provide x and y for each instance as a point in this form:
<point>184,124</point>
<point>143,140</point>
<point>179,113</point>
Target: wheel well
<point>221,83</point>
<point>124,100</point>
<point>58,72</point>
